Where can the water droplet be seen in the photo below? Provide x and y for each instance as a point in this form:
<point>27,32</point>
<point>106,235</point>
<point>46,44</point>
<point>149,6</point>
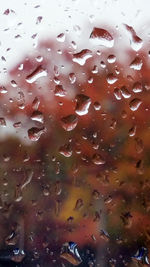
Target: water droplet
<point>70,253</point>
<point>27,179</point>
<point>3,90</point>
<point>111,78</point>
<point>35,133</point>
<point>139,145</point>
<point>132,131</point>
<point>72,78</point>
<point>102,37</point>
<point>96,194</point>
<point>111,59</point>
<point>95,69</point>
<point>103,65</point>
<point>17,124</point>
<point>83,104</point>
<point>90,79</point>
<point>39,19</point>
<point>124,114</point>
<point>79,204</point>
<point>113,123</point>
<point>37,116</point>
<point>15,255</point>
<point>82,56</point>
<point>97,105</point>
<point>60,91</point>
<point>104,235</point>
<point>74,45</point>
<point>97,159</point>
<point>36,74</point>
<point>11,239</point>
<point>135,41</point>
<point>35,103</point>
<point>135,103</point>
<point>136,64</point>
<point>69,122</point>
<point>142,255</point>
<point>61,37</point>
<point>58,188</point>
<point>137,87</point>
<point>117,93</point>
<point>13,83</point>
<point>8,11</point>
<point>127,219</point>
<point>66,151</point>
<point>2,122</point>
<point>125,92</point>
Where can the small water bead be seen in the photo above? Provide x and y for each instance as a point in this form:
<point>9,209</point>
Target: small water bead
<point>72,77</point>
<point>97,159</point>
<point>125,92</point>
<point>16,255</point>
<point>135,104</point>
<point>90,80</point>
<point>132,131</point>
<point>83,104</point>
<point>74,45</point>
<point>12,239</point>
<point>3,90</point>
<point>113,123</point>
<point>127,219</point>
<point>39,58</point>
<point>37,116</point>
<point>124,114</point>
<point>69,122</point>
<point>95,69</point>
<point>36,103</point>
<point>104,235</point>
<point>35,133</point>
<point>70,253</point>
<point>2,122</point>
<point>135,41</point>
<point>137,87</point>
<point>96,194</point>
<point>111,59</point>
<point>17,124</point>
<point>82,56</point>
<point>61,37</point>
<point>36,74</point>
<point>60,91</point>
<point>39,19</point>
<point>117,71</point>
<point>56,80</point>
<point>103,65</point>
<point>139,146</point>
<point>136,64</point>
<point>97,105</point>
<point>142,255</point>
<point>117,93</point>
<point>79,204</point>
<point>66,150</point>
<point>111,78</point>
<point>14,84</point>
<point>56,70</point>
<point>8,11</point>
<point>102,37</point>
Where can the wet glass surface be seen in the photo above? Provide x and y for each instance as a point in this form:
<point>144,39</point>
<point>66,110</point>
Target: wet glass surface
<point>74,133</point>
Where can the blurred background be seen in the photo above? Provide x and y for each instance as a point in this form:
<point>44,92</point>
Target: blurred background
<point>74,133</point>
